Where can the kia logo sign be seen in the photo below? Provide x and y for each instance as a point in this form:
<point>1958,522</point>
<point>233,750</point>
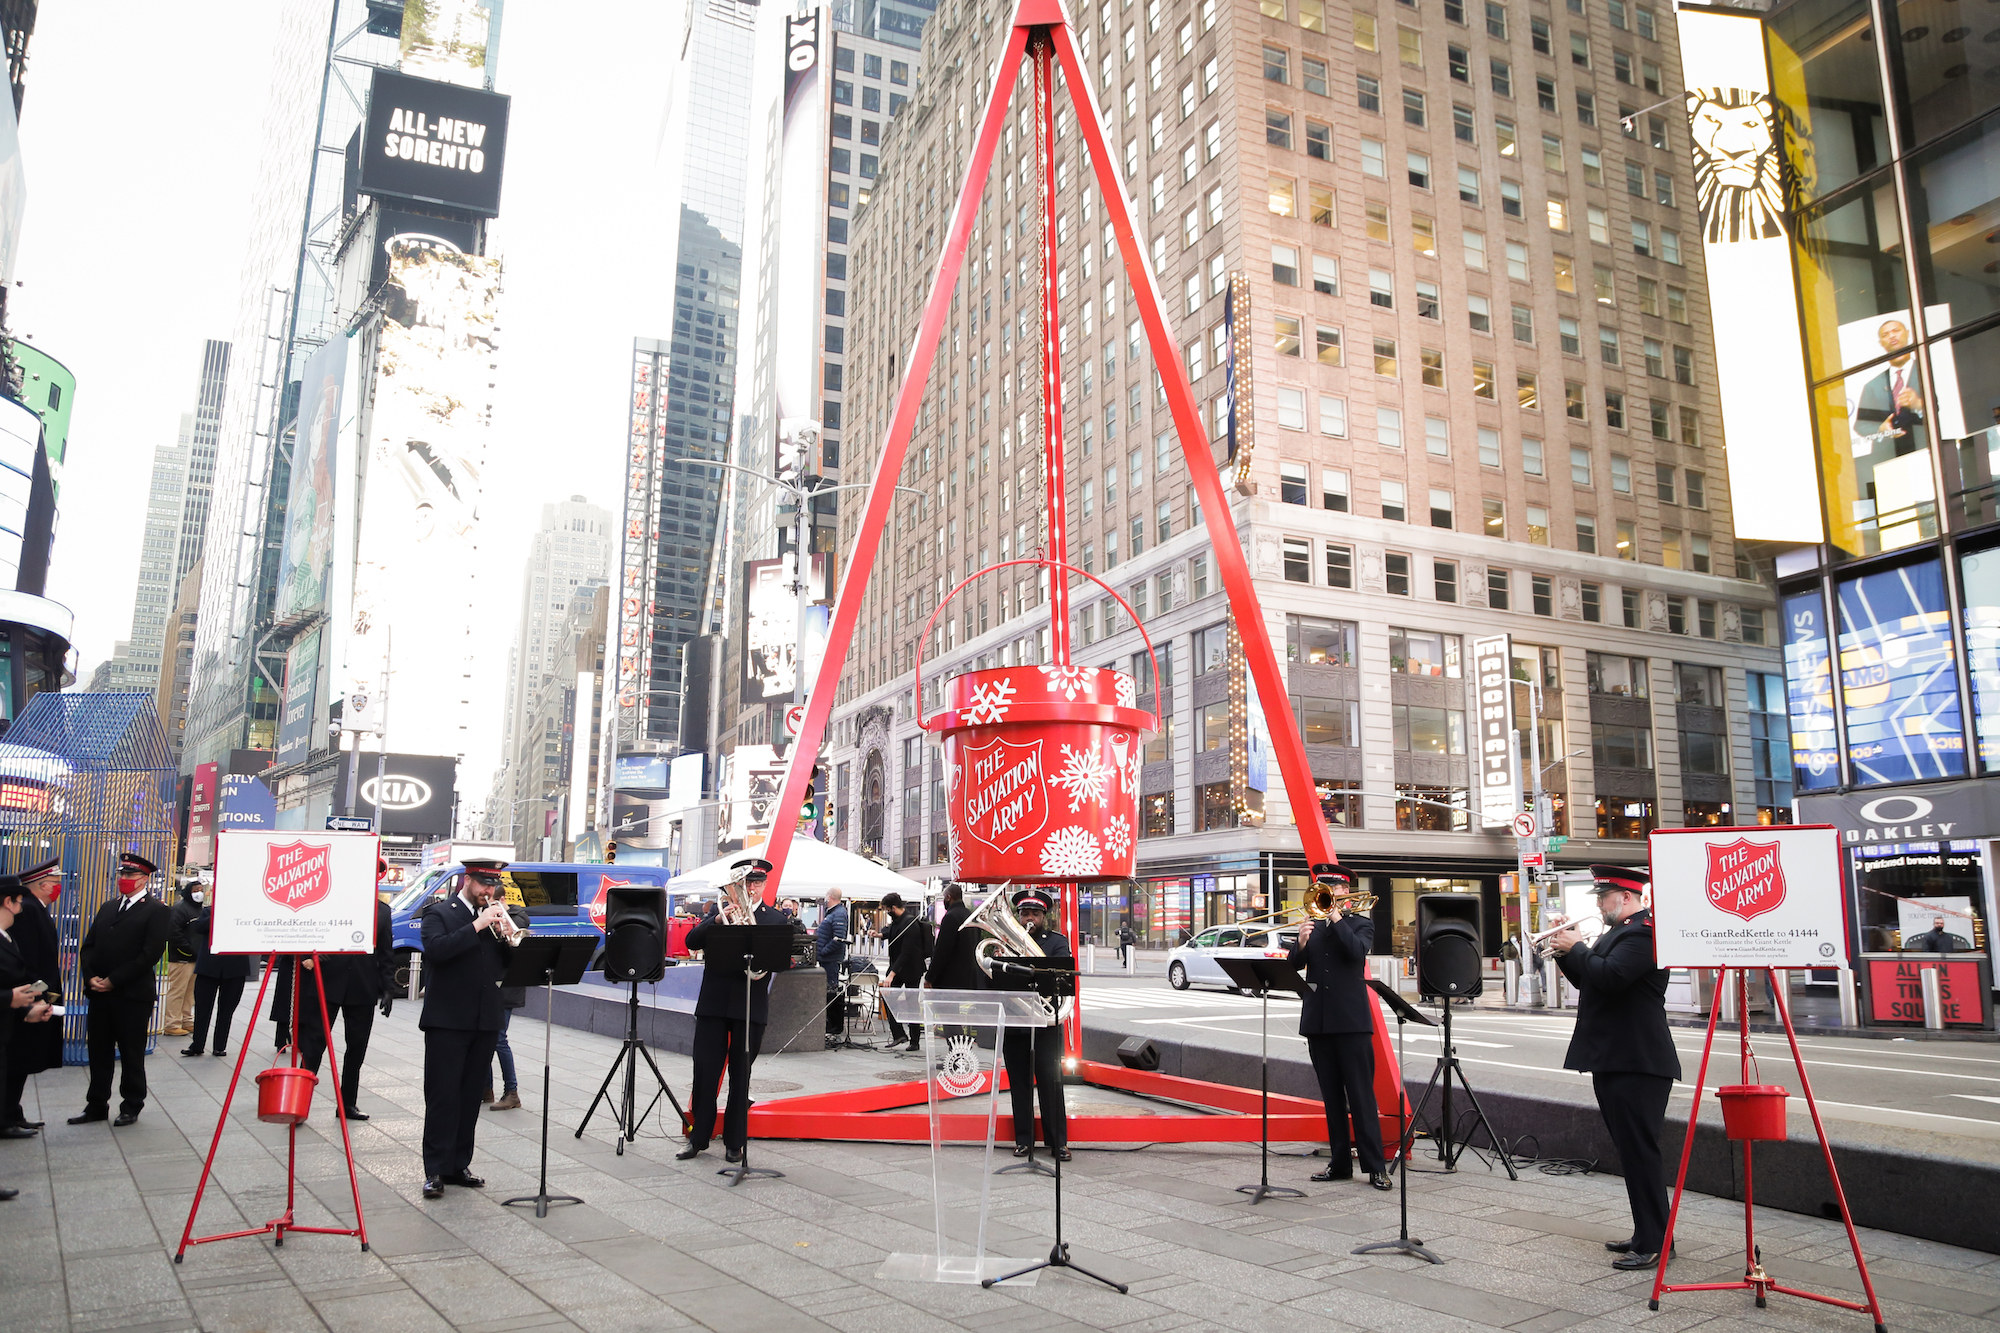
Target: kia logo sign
<point>394,792</point>
<point>1888,810</point>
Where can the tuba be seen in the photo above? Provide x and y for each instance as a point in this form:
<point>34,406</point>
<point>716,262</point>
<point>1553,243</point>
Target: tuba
<point>738,903</point>
<point>1005,933</point>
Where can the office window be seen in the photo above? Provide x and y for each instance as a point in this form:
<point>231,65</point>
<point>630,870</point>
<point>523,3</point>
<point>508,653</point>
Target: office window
<point>1683,365</point>
<point>1569,335</point>
<point>1499,589</point>
<point>1385,357</point>
<point>1489,447</point>
<point>1656,357</point>
<point>1381,288</point>
<point>1599,224</point>
<point>1538,525</point>
<point>1573,404</point>
<point>1623,677</point>
<point>1427,299</point>
<point>1524,324</point>
<point>1437,437</point>
<point>1558,210</point>
<point>1502,77</point>
<point>1292,483</point>
<point>1319,144</point>
<point>1326,342</point>
<point>1396,573</point>
<point>1444,580</point>
<point>1663,188</point>
<point>1285,265</point>
<point>1658,418</point>
<point>1441,508</point>
<point>1458,63</point>
<point>1677,305</point>
<point>1285,335</point>
<point>1670,547</point>
<point>1291,408</point>
<point>1541,591</point>
<point>1586,534</point>
<point>1368,93</point>
<point>1468,186</point>
<point>1297,560</point>
<point>1364,32</point>
<point>1527,391</point>
<point>1510,199</point>
<point>1339,566</point>
<point>1545,93</point>
<point>1607,346</point>
<point>1277,129</point>
<point>1635,179</point>
<point>1552,152</point>
<point>1565,271</point>
<point>1628,540</point>
<point>1414,652</point>
<point>1670,245</point>
<point>1496,21</point>
<point>1494,513</point>
<point>1284,192</point>
<point>1483,381</point>
<point>1586,114</point>
<point>1621,474</point>
<point>1395,505</point>
<point>1313,74</point>
<point>1423,235</point>
<point>1277,64</point>
<point>1601,284</point>
<point>1409,46</point>
<point>1389,427</point>
<point>1333,489</point>
<point>1690,427</point>
<point>1517,261</point>
<point>1474,245</point>
<point>1642,239</point>
<point>1579,465</point>
<point>1418,166</point>
<point>1432,362</point>
<point>1480,313</point>
<point>1326,275</point>
<point>1464,124</point>
<point>1698,553</point>
<point>1540,38</point>
<point>1614,409</point>
<point>1332,415</point>
<point>1677,615</point>
<point>1697,491</point>
<point>1593,603</point>
<point>1663,476</point>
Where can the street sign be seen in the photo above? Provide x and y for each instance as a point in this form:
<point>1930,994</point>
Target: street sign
<point>795,719</point>
<point>1524,825</point>
<point>1531,858</point>
<point>349,824</point>
<point>1556,842</point>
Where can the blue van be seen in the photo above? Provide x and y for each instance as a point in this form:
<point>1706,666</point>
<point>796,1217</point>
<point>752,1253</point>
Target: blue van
<point>559,898</point>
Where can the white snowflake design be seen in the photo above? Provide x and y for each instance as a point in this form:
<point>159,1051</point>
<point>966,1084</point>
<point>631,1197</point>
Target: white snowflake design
<point>1118,836</point>
<point>1070,681</point>
<point>990,701</point>
<point>1128,691</point>
<point>1084,776</point>
<point>1129,773</point>
<point>1072,851</point>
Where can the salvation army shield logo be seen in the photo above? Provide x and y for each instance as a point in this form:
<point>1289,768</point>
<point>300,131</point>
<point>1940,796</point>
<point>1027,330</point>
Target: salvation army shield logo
<point>1002,795</point>
<point>298,874</point>
<point>1745,878</point>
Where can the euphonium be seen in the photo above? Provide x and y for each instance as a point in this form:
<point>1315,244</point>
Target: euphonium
<point>1006,934</point>
<point>738,904</point>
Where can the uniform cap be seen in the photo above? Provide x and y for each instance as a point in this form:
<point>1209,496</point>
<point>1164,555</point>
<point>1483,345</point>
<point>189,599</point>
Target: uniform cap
<point>485,869</point>
<point>131,863</point>
<point>1330,872</point>
<point>1613,879</point>
<point>1033,900</point>
<point>52,866</point>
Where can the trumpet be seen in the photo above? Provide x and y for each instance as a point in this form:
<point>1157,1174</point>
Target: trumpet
<point>1535,941</point>
<point>510,931</point>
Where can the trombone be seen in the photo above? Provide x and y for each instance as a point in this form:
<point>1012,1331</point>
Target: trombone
<point>1322,905</point>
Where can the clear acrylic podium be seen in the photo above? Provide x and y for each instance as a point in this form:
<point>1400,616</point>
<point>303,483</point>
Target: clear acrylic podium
<point>958,1068</point>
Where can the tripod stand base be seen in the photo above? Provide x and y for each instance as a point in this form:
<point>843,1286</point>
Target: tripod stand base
<point>1059,1258</point>
<point>1263,1190</point>
<point>1032,1165</point>
<point>542,1202</point>
<point>741,1170</point>
<point>1414,1248</point>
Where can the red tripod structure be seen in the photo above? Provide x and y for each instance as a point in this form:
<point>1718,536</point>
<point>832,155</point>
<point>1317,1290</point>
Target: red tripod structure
<point>1041,34</point>
<point>279,1225</point>
<point>1755,1278</point>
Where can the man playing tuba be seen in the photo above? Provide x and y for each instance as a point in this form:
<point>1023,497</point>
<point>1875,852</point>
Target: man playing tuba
<point>1034,1055</point>
<point>724,1034</point>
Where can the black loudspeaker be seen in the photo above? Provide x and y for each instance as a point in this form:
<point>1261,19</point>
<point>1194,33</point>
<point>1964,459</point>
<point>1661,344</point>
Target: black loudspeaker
<point>635,933</point>
<point>1449,963</point>
<point>1138,1053</point>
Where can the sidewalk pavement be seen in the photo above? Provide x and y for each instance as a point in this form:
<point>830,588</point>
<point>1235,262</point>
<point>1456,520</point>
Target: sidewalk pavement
<point>663,1245</point>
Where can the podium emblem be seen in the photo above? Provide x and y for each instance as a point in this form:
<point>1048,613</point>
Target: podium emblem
<point>961,1075</point>
<point>298,874</point>
<point>1745,878</point>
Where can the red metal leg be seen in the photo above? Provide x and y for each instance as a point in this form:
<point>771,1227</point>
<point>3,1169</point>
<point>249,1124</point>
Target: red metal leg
<point>360,1227</point>
<point>208,1163</point>
<point>1687,1150</point>
<point>1054,448</point>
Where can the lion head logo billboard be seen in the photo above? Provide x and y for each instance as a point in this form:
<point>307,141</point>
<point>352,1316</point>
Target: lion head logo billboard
<point>1739,186</point>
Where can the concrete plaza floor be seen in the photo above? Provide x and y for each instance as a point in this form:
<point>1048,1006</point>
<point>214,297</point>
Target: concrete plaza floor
<point>661,1244</point>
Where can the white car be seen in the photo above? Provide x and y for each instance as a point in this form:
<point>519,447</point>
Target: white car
<point>1194,963</point>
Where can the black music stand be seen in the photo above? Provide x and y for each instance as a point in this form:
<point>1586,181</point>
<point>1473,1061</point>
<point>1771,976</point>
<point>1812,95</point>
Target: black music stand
<point>1258,976</point>
<point>548,961</point>
<point>748,949</point>
<point>1403,1244</point>
<point>1054,979</point>
<point>1447,1069</point>
<point>1049,975</point>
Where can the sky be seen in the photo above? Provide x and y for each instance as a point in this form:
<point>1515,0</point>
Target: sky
<point>138,133</point>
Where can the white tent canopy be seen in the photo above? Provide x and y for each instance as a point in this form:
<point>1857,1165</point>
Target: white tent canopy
<point>812,868</point>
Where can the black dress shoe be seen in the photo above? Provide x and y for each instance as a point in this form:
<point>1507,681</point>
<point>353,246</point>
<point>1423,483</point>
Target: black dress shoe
<point>6,1194</point>
<point>692,1150</point>
<point>89,1117</point>
<point>1632,1262</point>
<point>192,1050</point>
<point>733,1155</point>
<point>30,1124</point>
<point>465,1180</point>
<point>1060,1154</point>
<point>17,1132</point>
<point>1023,1149</point>
<point>1333,1173</point>
<point>221,1052</point>
<point>433,1188</point>
<point>1380,1180</point>
<point>353,1114</point>
<point>1619,1246</point>
<point>125,1118</point>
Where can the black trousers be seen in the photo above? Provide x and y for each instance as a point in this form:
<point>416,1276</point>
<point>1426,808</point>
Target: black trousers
<point>836,998</point>
<point>218,997</point>
<point>357,1019</point>
<point>897,1032</point>
<point>1033,1057</point>
<point>115,1031</point>
<point>1344,1062</point>
<point>1635,1112</point>
<point>719,1042</point>
<point>15,1080</point>
<point>456,1064</point>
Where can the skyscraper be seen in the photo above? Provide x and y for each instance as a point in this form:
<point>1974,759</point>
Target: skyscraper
<point>1452,252</point>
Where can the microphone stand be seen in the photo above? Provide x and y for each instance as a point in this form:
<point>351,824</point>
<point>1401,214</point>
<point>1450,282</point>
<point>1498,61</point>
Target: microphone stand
<point>1252,974</point>
<point>1403,1244</point>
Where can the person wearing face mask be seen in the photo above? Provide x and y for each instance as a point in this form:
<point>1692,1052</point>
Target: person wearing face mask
<point>38,1047</point>
<point>218,983</point>
<point>178,1012</point>
<point>25,1002</point>
<point>116,962</point>
<point>1621,1040</point>
<point>465,956</point>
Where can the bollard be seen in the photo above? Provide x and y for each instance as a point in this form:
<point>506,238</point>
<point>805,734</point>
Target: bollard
<point>416,976</point>
<point>1551,984</point>
<point>1132,961</point>
<point>1511,985</point>
<point>1850,1010</point>
<point>1090,959</point>
<point>1725,996</point>
<point>1933,1002</point>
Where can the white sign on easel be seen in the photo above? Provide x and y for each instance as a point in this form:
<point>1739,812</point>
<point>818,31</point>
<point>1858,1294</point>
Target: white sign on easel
<point>294,892</point>
<point>1758,896</point>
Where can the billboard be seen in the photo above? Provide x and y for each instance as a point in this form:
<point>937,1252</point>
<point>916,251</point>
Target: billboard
<point>436,143</point>
<point>416,557</point>
<point>1889,433</point>
<point>684,779</point>
<point>415,793</point>
<point>245,803</point>
<point>639,536</point>
<point>771,628</point>
<point>801,223</point>
<point>1737,144</point>
<point>295,718</point>
<point>13,192</point>
<point>1809,691</point>
<point>753,778</point>
<point>1743,897</point>
<point>201,815</point>
<point>639,773</point>
<point>306,562</point>
<point>1499,784</point>
<point>1898,676</point>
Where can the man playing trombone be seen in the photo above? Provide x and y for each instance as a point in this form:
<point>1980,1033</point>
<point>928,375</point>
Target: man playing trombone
<point>1337,1019</point>
<point>1621,1039</point>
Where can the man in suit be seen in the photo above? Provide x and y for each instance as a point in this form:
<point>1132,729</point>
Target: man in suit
<point>725,1034</point>
<point>355,984</point>
<point>909,938</point>
<point>1891,402</point>
<point>218,985</point>
<point>40,1047</point>
<point>26,1002</point>
<point>116,962</point>
<point>1936,940</point>
<point>1337,1019</point>
<point>1034,1055</point>
<point>831,939</point>
<point>1621,1038</point>
<point>465,956</point>
<point>954,961</point>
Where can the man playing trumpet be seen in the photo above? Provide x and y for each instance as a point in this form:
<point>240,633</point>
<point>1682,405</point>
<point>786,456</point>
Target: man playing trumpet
<point>1337,1019</point>
<point>465,956</point>
<point>1621,1038</point>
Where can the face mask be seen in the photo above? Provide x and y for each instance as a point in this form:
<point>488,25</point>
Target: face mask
<point>130,885</point>
<point>198,896</point>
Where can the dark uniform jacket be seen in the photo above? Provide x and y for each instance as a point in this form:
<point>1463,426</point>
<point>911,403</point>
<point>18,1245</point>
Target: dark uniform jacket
<point>185,909</point>
<point>1335,955</point>
<point>124,944</point>
<point>909,946</point>
<point>207,962</point>
<point>462,970</point>
<point>722,989</point>
<point>13,972</point>
<point>1621,1007</point>
<point>38,1046</point>
<point>349,978</point>
<point>953,962</point>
